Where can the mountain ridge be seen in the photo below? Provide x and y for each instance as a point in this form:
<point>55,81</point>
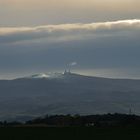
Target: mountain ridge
<point>48,75</point>
<point>69,93</point>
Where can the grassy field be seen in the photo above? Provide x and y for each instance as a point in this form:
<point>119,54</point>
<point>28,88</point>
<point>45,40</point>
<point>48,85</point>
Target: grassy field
<point>71,133</point>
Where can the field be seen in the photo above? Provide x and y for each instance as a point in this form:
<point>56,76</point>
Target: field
<point>69,133</point>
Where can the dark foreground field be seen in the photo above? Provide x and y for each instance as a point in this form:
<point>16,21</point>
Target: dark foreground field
<point>69,133</point>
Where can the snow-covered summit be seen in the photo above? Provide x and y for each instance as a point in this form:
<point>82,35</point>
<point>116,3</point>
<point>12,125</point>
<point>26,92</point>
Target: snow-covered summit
<point>46,75</point>
<point>52,75</point>
<point>40,75</point>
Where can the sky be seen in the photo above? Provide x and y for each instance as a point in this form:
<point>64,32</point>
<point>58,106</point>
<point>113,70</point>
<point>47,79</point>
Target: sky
<point>99,37</point>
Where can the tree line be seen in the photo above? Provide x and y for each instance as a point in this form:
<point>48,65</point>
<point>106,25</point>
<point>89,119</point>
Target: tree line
<point>78,120</point>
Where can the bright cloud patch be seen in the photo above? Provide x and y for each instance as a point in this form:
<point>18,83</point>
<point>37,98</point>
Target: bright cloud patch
<point>67,31</point>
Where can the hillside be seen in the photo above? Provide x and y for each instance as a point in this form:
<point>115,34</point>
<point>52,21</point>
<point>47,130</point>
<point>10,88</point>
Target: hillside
<point>69,93</point>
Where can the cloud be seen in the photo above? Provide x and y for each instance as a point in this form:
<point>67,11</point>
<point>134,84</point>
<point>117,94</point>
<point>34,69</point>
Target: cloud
<point>64,32</point>
<point>135,23</point>
<point>31,12</point>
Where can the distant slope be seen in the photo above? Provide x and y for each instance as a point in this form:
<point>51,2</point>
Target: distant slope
<point>68,93</point>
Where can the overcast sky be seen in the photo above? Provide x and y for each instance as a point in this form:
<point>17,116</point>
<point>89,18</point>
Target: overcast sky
<point>101,36</point>
<point>40,12</point>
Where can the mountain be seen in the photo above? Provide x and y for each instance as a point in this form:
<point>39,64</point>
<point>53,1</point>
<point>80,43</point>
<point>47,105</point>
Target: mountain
<point>68,93</point>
